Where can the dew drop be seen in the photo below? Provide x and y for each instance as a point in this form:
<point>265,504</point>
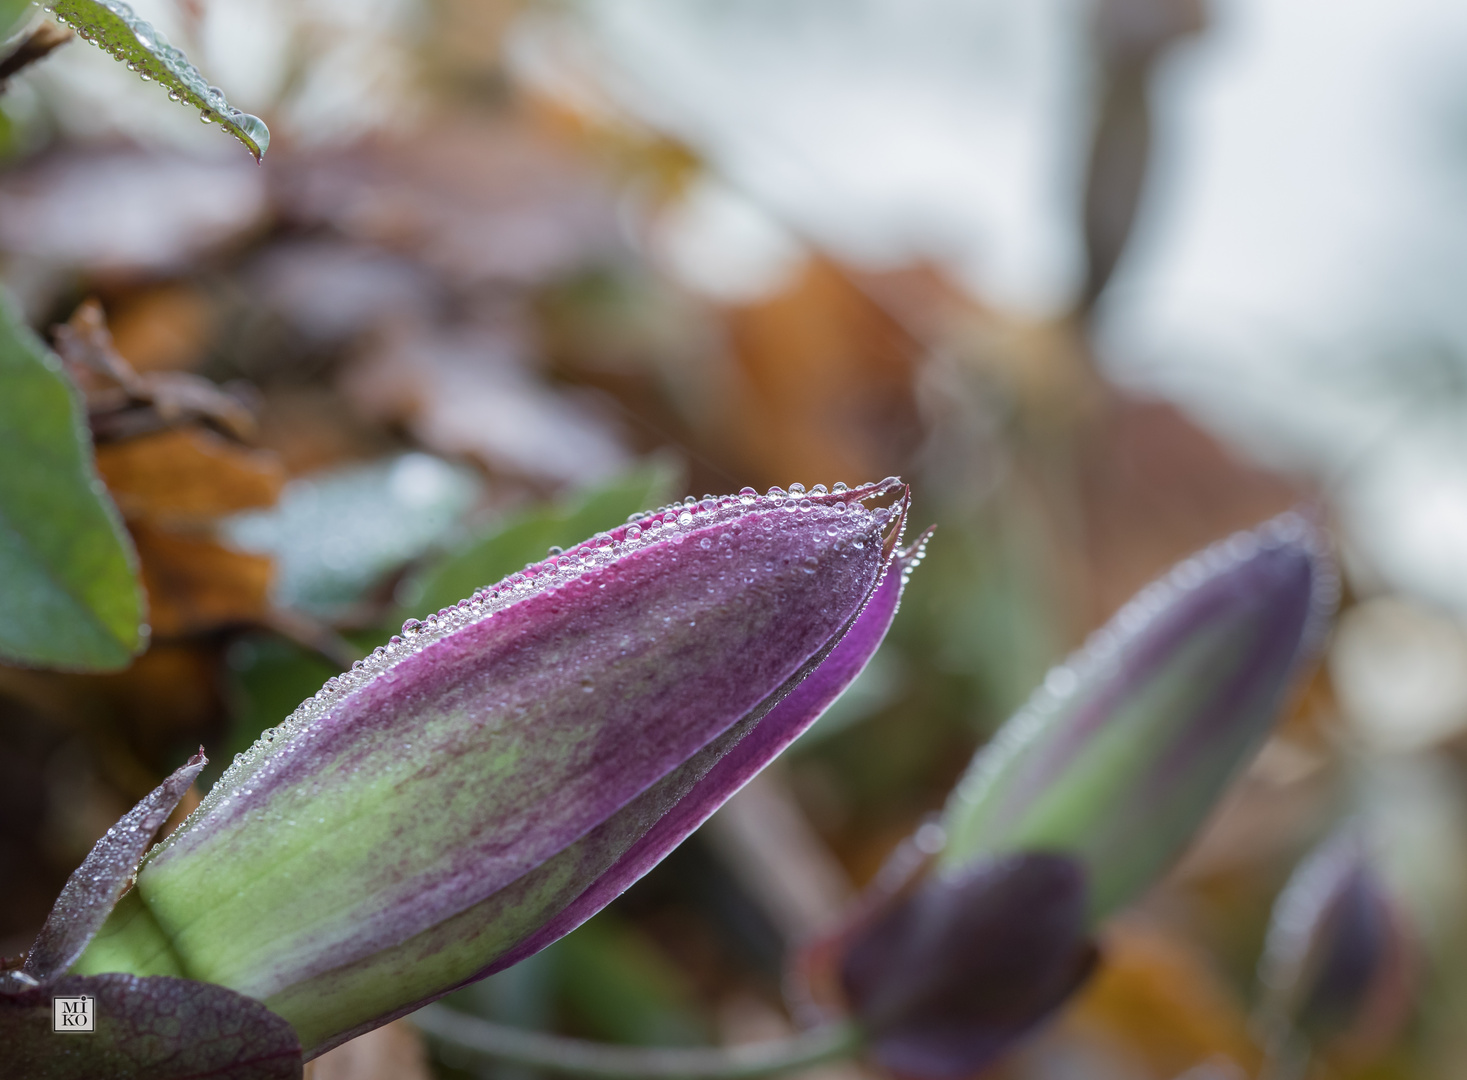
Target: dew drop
<point>634,533</point>
<point>797,489</point>
<point>685,518</point>
<point>411,627</point>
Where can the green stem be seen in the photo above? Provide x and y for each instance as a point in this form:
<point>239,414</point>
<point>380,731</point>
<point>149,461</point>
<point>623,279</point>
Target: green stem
<point>579,1057</point>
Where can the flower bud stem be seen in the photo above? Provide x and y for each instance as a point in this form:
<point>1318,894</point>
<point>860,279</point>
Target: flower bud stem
<point>579,1057</point>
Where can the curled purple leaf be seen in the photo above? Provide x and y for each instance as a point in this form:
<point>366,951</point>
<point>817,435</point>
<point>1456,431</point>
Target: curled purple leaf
<point>154,1028</point>
<point>93,890</point>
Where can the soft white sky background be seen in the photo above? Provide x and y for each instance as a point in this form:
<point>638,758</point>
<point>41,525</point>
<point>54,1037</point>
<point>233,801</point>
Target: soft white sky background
<point>1299,276</point>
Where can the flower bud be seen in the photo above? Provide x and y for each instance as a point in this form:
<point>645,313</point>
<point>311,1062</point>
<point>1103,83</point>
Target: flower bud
<point>483,784</point>
<point>1124,750</point>
<point>1336,968</point>
<point>948,977</point>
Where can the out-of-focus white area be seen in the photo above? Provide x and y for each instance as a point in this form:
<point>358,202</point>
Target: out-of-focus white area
<point>725,245</point>
<point>1297,273</point>
<point>883,130</point>
<point>1401,674</point>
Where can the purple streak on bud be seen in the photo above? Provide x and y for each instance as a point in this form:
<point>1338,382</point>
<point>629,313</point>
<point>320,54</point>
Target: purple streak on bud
<point>1124,750</point>
<point>91,893</point>
<point>784,723</point>
<point>437,809</point>
<point>949,976</point>
<point>1337,964</point>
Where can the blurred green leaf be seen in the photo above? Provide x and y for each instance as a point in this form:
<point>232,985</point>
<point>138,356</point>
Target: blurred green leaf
<point>618,986</point>
<point>508,545</point>
<point>115,28</point>
<point>336,534</point>
<point>11,12</point>
<point>70,596</point>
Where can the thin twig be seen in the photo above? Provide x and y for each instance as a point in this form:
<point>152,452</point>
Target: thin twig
<point>579,1057</point>
<point>36,45</point>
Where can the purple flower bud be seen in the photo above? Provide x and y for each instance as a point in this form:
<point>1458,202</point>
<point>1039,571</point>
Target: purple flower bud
<point>948,977</point>
<point>1337,965</point>
<point>1122,753</point>
<point>486,782</point>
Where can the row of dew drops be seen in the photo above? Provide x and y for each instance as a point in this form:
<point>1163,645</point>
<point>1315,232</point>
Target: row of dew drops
<point>560,568</point>
<point>175,63</point>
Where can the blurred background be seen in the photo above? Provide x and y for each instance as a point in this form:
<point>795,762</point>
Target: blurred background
<point>1104,279</point>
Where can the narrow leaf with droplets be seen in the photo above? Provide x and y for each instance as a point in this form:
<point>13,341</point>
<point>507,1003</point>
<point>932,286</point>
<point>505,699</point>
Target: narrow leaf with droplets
<point>113,26</point>
<point>93,890</point>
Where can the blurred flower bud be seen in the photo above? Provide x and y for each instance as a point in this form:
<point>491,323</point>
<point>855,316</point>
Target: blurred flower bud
<point>488,781</point>
<point>1121,754</point>
<point>945,979</point>
<point>1337,967</point>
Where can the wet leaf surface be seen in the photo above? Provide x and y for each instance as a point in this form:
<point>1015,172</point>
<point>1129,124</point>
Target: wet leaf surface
<point>114,27</point>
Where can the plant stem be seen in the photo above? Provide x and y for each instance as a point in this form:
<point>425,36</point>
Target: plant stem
<point>579,1057</point>
<point>1287,1058</point>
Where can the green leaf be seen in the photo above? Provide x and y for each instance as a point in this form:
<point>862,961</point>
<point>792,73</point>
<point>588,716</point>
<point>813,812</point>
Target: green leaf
<point>509,545</point>
<point>70,596</point>
<point>617,985</point>
<point>11,12</point>
<point>113,26</point>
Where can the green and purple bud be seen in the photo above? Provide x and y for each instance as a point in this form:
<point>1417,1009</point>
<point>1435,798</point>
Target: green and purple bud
<point>1123,752</point>
<point>490,779</point>
<point>980,927</point>
<point>1337,968</point>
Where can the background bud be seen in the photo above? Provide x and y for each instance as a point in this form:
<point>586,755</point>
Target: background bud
<point>1124,750</point>
<point>1336,968</point>
<point>946,978</point>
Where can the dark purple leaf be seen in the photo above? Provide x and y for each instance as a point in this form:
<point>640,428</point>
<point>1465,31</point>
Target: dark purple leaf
<point>153,1028</point>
